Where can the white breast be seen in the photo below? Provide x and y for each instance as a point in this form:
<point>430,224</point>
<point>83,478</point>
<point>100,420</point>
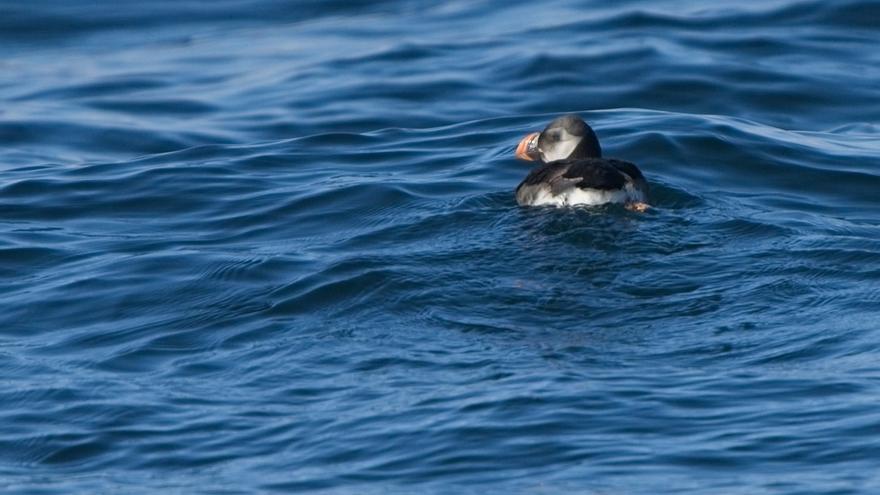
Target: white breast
<point>586,197</point>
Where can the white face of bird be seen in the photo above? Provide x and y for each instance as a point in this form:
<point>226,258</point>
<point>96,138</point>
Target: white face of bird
<point>567,136</point>
<point>557,144</point>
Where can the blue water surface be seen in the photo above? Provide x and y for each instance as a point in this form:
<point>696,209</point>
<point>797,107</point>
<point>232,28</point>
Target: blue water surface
<point>260,246</point>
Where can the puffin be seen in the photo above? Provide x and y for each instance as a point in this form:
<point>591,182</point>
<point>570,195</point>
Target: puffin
<point>571,171</point>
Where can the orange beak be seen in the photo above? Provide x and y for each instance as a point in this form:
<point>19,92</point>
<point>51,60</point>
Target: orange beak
<point>528,147</point>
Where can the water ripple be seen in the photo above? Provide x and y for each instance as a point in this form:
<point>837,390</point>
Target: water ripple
<point>256,246</point>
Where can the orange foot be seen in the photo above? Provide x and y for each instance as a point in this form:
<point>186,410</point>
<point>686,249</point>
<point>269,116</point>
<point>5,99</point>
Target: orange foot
<point>637,207</point>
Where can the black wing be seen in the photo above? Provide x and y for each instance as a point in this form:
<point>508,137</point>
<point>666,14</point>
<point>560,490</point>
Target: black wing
<point>628,168</point>
<point>545,173</point>
<point>587,173</point>
<point>594,173</point>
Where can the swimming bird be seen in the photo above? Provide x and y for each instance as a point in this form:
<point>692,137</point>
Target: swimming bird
<point>572,171</point>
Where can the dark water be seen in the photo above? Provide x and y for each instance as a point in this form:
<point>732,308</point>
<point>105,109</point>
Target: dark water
<point>263,246</point>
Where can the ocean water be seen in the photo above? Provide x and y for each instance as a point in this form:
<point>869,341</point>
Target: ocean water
<point>255,246</point>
